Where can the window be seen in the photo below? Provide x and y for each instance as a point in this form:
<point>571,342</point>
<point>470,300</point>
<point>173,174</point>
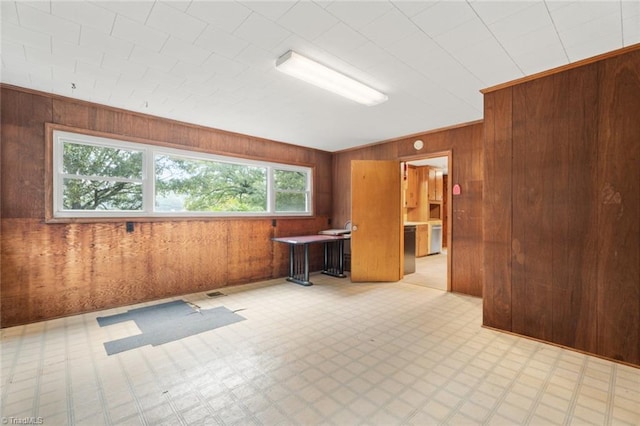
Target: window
<point>100,177</point>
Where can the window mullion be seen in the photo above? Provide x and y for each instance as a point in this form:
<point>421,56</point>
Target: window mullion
<point>271,193</point>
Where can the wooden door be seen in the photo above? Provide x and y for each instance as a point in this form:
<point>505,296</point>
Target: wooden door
<point>376,215</point>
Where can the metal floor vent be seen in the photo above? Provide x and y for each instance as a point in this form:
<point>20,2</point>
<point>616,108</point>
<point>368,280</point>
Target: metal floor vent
<point>216,294</point>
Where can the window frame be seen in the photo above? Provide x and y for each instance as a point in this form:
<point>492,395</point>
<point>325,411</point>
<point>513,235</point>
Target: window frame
<point>58,135</point>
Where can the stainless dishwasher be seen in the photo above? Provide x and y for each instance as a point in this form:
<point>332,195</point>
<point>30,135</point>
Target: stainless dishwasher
<point>435,238</point>
<point>409,249</point>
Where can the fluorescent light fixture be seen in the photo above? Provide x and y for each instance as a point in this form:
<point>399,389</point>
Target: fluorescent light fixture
<point>312,72</point>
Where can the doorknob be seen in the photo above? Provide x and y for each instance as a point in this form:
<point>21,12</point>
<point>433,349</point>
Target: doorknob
<point>354,227</point>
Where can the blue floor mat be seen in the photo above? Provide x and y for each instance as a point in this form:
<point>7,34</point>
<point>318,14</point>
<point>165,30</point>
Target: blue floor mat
<point>165,323</point>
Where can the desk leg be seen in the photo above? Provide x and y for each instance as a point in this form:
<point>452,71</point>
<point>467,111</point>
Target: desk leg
<point>306,263</point>
<point>292,258</point>
<point>341,258</point>
<point>334,264</point>
<point>299,271</point>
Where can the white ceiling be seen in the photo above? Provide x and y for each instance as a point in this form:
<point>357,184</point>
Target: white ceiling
<point>213,62</point>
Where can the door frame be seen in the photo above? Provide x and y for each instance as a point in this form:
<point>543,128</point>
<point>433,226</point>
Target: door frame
<point>449,154</point>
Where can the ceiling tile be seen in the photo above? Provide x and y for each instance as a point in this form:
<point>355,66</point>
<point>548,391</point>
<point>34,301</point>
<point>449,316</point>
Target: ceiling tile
<point>119,66</point>
<point>271,10</point>
<point>597,45</point>
<point>470,33</point>
<point>489,62</point>
<point>136,10</point>
<point>417,49</point>
<point>522,22</point>
<point>148,57</point>
<point>256,57</point>
<point>493,11</point>
<point>221,42</point>
<point>388,28</point>
<point>181,25</point>
<point>164,79</point>
<point>261,32</point>
<point>525,43</point>
<point>358,14</point>
<point>193,75</point>
<point>36,71</point>
<point>182,6</point>
<point>631,22</point>
<point>340,39</point>
<point>223,66</point>
<point>308,20</point>
<point>98,40</point>
<point>71,53</point>
<point>95,71</point>
<point>588,38</point>
<point>631,30</point>
<point>46,58</point>
<point>443,17</point>
<point>129,84</point>
<point>12,50</point>
<point>412,8</point>
<point>224,15</point>
<point>8,12</point>
<point>16,78</point>
<point>44,6</point>
<point>132,31</point>
<point>84,13</point>
<point>367,56</point>
<point>55,26</point>
<point>22,35</point>
<point>541,59</point>
<point>184,51</point>
<point>576,14</point>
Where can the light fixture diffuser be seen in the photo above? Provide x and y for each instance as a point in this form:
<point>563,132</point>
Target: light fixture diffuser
<point>319,75</point>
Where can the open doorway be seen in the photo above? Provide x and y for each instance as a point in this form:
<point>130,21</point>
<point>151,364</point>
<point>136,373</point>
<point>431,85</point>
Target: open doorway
<point>427,207</point>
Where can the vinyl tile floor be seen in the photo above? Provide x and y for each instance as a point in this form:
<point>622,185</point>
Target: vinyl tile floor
<point>335,353</point>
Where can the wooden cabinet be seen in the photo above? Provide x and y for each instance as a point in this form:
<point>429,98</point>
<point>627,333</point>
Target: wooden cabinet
<point>435,185</point>
<point>411,193</point>
<point>422,240</point>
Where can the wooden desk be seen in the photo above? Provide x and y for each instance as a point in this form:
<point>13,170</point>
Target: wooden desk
<point>299,256</point>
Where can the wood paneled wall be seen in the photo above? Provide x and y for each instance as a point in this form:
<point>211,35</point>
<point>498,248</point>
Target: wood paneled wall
<point>562,207</point>
<point>56,269</point>
<point>465,143</point>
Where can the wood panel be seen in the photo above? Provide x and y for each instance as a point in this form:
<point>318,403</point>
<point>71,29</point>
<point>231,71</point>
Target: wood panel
<point>575,206</point>
<point>497,206</point>
<point>537,109</point>
<point>619,209</point>
<point>575,228</point>
<point>249,251</point>
<point>466,250</point>
<point>52,270</point>
<point>23,153</point>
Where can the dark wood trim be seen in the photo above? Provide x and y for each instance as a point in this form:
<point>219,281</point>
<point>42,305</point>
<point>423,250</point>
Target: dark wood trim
<point>558,345</point>
<point>413,135</point>
<point>562,68</point>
